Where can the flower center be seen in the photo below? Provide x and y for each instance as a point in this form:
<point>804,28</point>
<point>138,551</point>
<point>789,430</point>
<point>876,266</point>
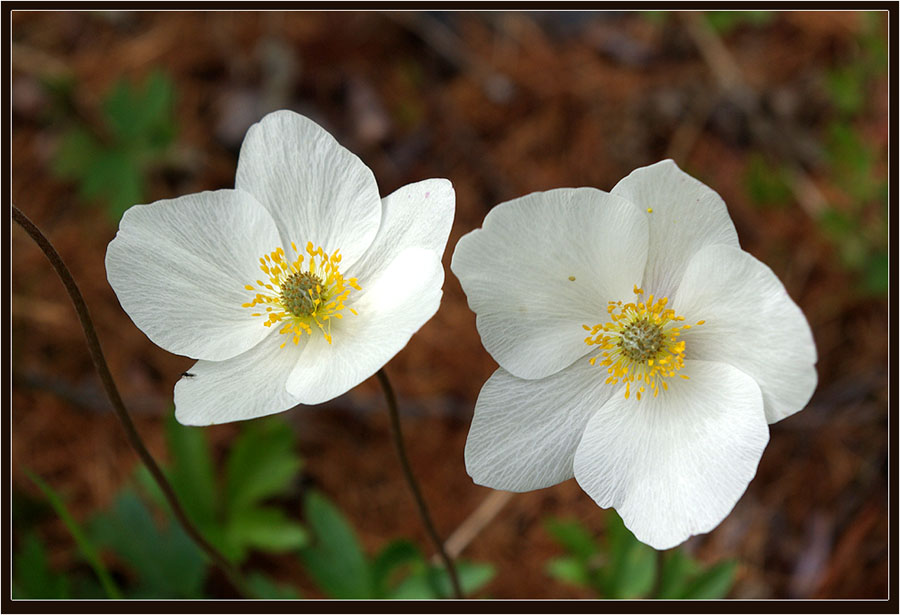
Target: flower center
<point>302,297</point>
<point>301,292</point>
<point>639,344</point>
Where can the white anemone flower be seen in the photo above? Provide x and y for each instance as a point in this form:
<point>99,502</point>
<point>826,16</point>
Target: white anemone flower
<point>641,350</point>
<point>293,287</point>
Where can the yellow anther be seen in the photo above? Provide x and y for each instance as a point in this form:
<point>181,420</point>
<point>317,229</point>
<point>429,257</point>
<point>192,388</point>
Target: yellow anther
<point>640,343</point>
<point>299,297</point>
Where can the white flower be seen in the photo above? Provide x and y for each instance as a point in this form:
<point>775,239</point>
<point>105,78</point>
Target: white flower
<point>641,350</point>
<point>290,289</point>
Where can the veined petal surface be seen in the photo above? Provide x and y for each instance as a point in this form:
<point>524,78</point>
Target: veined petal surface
<point>542,266</point>
<point>751,323</point>
<point>525,432</point>
<point>675,465</point>
<point>686,216</point>
<point>247,386</point>
<point>315,189</point>
<point>394,306</point>
<point>179,268</point>
<point>417,215</point>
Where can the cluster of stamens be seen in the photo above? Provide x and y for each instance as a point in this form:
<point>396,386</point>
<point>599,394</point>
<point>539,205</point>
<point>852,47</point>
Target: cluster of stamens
<point>302,297</point>
<point>639,345</point>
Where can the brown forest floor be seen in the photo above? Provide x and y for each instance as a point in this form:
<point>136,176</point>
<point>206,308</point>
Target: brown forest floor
<point>501,104</point>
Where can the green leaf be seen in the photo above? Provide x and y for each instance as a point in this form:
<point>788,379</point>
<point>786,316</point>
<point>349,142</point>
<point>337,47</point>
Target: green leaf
<point>335,559</point>
<point>262,464</point>
<point>767,185</point>
<point>85,547</point>
<point>75,152</point>
<point>573,537</point>
<point>677,570</point>
<point>631,570</point>
<point>115,178</point>
<point>268,529</point>
<point>166,563</point>
<point>396,555</point>
<point>32,576</point>
<point>853,162</point>
<point>434,581</point>
<point>724,22</point>
<point>141,117</point>
<point>846,86</point>
<point>191,472</point>
<point>570,570</point>
<point>263,587</point>
<point>875,278</point>
<point>713,583</point>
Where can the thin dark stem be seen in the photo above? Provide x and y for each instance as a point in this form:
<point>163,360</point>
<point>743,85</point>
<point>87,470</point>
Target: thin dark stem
<point>112,391</point>
<point>413,485</point>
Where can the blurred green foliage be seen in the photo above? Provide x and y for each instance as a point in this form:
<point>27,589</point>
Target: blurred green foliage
<point>335,559</point>
<point>153,557</point>
<point>85,546</point>
<point>109,162</point>
<point>859,231</point>
<point>856,226</point>
<point>722,22</point>
<point>767,184</point>
<point>620,566</point>
<point>232,513</point>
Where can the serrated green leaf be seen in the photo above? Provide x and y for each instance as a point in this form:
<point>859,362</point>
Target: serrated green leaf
<point>85,547</point>
<point>165,561</point>
<point>713,583</point>
<point>389,562</point>
<point>266,528</point>
<point>334,558</point>
<point>32,575</point>
<point>570,570</point>
<point>573,537</point>
<point>262,464</point>
<point>141,116</point>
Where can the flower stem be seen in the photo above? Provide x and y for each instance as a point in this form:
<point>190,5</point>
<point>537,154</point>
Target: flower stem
<point>413,485</point>
<point>112,392</point>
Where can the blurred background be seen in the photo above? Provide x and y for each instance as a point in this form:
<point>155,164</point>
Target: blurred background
<point>785,114</point>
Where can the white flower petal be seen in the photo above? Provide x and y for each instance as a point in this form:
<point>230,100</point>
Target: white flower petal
<point>687,215</point>
<point>247,386</point>
<point>394,306</point>
<point>315,189</point>
<point>544,265</point>
<point>751,323</point>
<point>675,465</point>
<point>179,268</point>
<point>525,432</point>
<point>418,215</point>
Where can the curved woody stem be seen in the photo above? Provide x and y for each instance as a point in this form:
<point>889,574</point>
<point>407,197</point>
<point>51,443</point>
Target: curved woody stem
<point>397,434</point>
<point>115,399</point>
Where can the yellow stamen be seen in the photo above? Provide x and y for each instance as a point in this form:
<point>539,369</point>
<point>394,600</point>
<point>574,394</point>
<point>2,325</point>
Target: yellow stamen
<point>640,343</point>
<point>302,297</point>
